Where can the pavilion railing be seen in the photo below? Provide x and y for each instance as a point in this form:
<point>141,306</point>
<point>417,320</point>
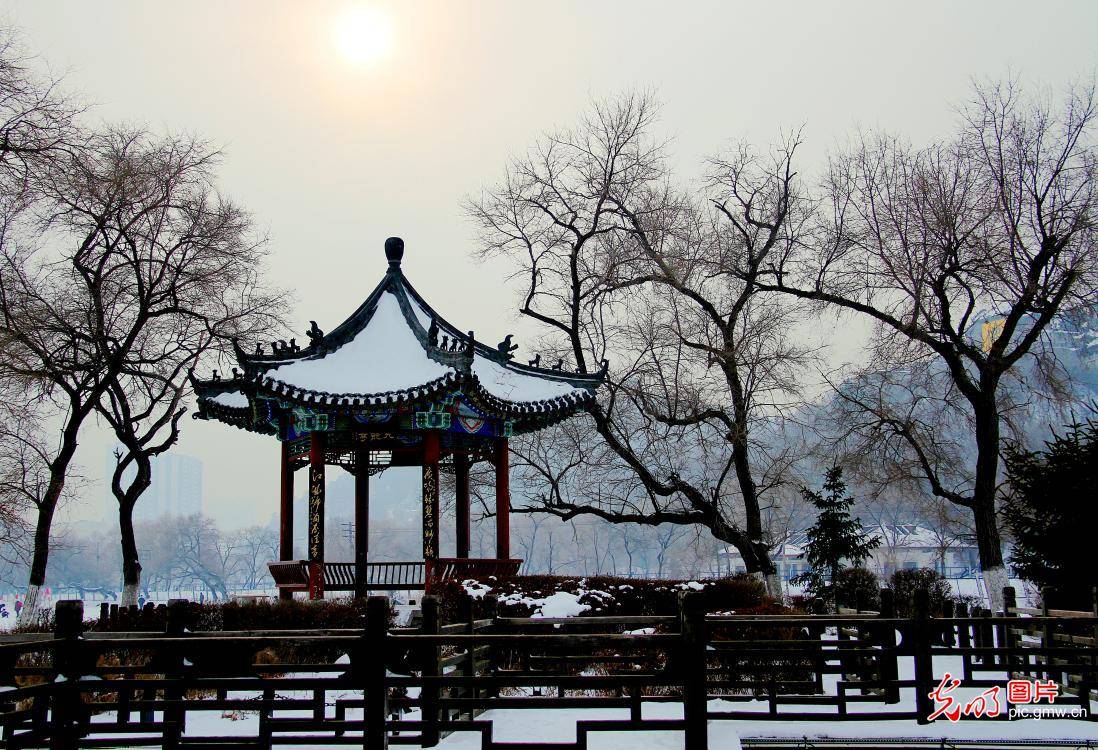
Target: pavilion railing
<point>293,575</point>
<point>378,685</point>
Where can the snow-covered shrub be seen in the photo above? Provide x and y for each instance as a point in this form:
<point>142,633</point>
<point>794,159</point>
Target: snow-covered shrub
<point>565,596</point>
<point>904,584</point>
<point>858,588</point>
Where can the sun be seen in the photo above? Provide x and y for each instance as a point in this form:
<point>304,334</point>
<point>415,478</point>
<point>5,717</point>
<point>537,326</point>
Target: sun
<point>363,34</point>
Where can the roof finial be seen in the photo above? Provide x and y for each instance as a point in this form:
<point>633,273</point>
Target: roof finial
<point>394,251</point>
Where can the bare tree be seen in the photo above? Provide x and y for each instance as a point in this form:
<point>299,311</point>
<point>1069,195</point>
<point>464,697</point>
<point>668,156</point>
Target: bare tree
<point>24,468</point>
<point>176,274</point>
<point>36,119</point>
<point>41,354</point>
<point>202,554</point>
<point>619,265</point>
<point>254,546</point>
<point>995,224</point>
<point>44,349</point>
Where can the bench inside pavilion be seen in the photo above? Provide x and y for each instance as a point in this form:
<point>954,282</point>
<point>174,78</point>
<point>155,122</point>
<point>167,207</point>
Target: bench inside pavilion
<point>393,385</point>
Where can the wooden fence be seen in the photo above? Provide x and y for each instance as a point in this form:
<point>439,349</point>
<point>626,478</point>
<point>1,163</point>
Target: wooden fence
<point>378,686</point>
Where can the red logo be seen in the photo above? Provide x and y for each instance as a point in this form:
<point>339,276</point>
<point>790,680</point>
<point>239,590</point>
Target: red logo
<point>987,703</point>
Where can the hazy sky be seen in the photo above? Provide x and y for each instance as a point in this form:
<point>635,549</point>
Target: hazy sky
<point>346,122</point>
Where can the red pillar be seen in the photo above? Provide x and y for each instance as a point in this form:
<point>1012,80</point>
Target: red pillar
<point>286,514</point>
<point>362,518</point>
<point>461,477</point>
<point>316,516</point>
<point>503,502</point>
<point>430,495</point>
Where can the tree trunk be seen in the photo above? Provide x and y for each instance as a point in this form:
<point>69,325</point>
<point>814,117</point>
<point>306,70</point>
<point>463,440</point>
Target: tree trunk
<point>41,552</point>
<point>127,498</point>
<point>988,541</point>
<point>741,460</point>
<point>131,565</point>
<point>59,469</point>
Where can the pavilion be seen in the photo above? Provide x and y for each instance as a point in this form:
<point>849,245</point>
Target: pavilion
<point>393,385</point>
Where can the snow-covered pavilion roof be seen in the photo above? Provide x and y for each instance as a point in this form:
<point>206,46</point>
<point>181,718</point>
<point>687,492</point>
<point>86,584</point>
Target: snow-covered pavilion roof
<point>396,350</point>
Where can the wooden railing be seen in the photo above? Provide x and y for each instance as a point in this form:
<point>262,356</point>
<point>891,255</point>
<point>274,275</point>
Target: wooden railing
<point>293,575</point>
<point>461,568</point>
<point>412,686</point>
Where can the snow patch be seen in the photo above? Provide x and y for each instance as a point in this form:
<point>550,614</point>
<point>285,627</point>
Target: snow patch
<point>232,399</point>
<point>384,356</point>
<point>510,385</point>
<point>475,589</point>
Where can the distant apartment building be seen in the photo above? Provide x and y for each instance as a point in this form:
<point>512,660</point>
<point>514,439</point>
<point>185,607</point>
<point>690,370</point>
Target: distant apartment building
<point>176,488</point>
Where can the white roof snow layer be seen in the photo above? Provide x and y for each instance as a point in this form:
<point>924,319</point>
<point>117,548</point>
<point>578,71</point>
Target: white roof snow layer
<point>517,387</point>
<point>235,399</point>
<point>384,356</point>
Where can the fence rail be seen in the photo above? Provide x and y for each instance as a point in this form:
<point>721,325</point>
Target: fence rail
<point>382,686</point>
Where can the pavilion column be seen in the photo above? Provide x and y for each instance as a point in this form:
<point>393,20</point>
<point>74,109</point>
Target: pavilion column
<point>316,516</point>
<point>286,514</point>
<point>362,519</point>
<point>503,501</point>
<point>461,477</point>
<point>430,496</point>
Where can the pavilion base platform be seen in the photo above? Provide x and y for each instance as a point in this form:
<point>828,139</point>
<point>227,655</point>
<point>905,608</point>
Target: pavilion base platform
<point>293,576</point>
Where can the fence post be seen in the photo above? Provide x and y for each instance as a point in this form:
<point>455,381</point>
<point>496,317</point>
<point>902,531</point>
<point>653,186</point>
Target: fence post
<point>920,629</point>
<point>1047,636</point>
<point>947,631</point>
<point>175,620</point>
<point>693,670</point>
<point>470,666</point>
<point>890,669</point>
<point>375,736</point>
<point>1086,685</point>
<point>68,623</point>
<point>1006,639</point>
<point>429,694</point>
<point>964,634</point>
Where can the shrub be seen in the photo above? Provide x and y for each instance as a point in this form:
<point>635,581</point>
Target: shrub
<point>858,588</point>
<point>904,584</point>
<point>268,614</point>
<point>1051,524</point>
<point>523,596</point>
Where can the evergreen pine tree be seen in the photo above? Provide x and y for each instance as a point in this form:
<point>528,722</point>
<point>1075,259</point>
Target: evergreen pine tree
<point>1048,514</point>
<point>835,537</point>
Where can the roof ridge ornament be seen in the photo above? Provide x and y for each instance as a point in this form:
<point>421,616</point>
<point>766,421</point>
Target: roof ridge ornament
<point>316,336</point>
<point>506,348</point>
<point>394,252</point>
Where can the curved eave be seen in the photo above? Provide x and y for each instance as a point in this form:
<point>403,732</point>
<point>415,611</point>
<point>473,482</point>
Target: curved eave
<point>237,416</point>
<point>541,412</point>
<point>576,380</point>
<point>562,406</point>
<point>357,401</point>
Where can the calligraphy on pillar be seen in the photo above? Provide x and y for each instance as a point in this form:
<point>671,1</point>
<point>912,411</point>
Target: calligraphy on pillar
<point>316,513</point>
<point>430,512</point>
